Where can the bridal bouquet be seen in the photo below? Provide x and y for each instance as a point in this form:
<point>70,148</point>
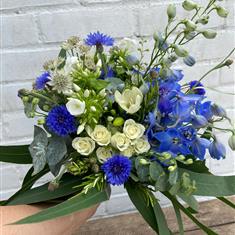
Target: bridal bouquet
<point>106,117</point>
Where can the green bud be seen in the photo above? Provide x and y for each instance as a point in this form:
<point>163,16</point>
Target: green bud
<point>166,155</point>
<point>189,5</point>
<point>222,12</point>
<point>156,37</point>
<point>25,99</point>
<point>181,52</point>
<point>110,118</point>
<point>171,11</point>
<point>172,168</point>
<point>189,161</point>
<point>35,101</point>
<point>180,157</point>
<point>92,160</point>
<point>32,114</point>
<point>95,168</point>
<point>209,34</point>
<point>46,108</point>
<point>118,121</point>
<point>231,142</point>
<point>143,161</point>
<point>41,121</point>
<point>190,25</point>
<point>204,20</point>
<point>113,112</point>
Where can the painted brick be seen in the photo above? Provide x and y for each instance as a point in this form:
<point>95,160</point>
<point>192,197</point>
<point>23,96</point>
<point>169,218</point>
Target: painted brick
<point>24,65</point>
<point>12,4</point>
<point>115,22</point>
<point>19,31</point>
<point>227,75</point>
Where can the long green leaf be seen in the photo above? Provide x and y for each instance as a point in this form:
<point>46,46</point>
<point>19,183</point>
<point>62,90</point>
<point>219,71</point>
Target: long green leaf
<point>41,193</point>
<point>137,197</point>
<point>226,201</point>
<point>28,182</point>
<point>179,219</point>
<point>15,154</point>
<point>77,203</point>
<point>190,200</point>
<point>161,220</point>
<point>187,212</point>
<point>211,185</point>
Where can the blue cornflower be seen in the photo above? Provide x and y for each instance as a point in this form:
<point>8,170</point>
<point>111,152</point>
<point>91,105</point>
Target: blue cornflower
<point>117,169</point>
<point>217,150</point>
<point>97,39</point>
<point>197,88</point>
<point>60,121</point>
<point>42,80</point>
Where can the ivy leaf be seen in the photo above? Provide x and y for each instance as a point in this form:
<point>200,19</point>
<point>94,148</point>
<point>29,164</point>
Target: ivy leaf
<point>56,150</point>
<point>38,148</point>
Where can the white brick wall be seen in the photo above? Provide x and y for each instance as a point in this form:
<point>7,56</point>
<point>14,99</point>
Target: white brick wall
<point>31,33</point>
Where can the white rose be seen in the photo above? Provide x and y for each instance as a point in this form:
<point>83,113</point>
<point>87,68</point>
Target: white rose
<point>128,152</point>
<point>75,107</point>
<point>132,129</point>
<point>141,145</point>
<point>84,145</point>
<point>103,153</point>
<point>120,141</point>
<point>130,100</point>
<point>101,135</point>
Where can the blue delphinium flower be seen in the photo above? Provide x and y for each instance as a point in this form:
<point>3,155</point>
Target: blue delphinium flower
<point>97,39</point>
<point>197,88</point>
<point>60,121</point>
<point>217,150</point>
<point>198,121</point>
<point>110,74</point>
<point>199,146</point>
<point>117,169</point>
<point>41,81</point>
<point>188,134</point>
<point>204,109</point>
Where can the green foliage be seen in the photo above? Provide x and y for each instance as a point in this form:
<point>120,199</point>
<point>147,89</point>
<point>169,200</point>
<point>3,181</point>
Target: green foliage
<point>142,170</point>
<point>18,154</point>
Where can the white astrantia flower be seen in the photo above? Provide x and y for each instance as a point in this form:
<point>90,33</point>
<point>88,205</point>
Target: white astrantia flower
<point>69,63</point>
<point>130,100</point>
<point>61,83</point>
<point>100,135</point>
<point>84,145</point>
<point>75,107</point>
<point>141,145</point>
<point>120,141</point>
<point>132,129</point>
<point>103,153</point>
<point>129,151</point>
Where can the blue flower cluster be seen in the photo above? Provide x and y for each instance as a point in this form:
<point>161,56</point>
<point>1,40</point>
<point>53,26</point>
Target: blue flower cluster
<point>117,169</point>
<point>60,121</point>
<point>42,80</point>
<point>97,39</point>
<point>179,118</point>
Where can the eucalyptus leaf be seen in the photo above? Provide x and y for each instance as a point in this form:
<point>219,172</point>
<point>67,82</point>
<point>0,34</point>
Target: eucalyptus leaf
<point>156,171</point>
<point>173,176</point>
<point>190,200</point>
<point>114,83</point>
<point>74,204</point>
<point>38,148</point>
<point>56,150</point>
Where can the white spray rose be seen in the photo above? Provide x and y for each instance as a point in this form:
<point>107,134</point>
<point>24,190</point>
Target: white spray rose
<point>130,100</point>
<point>101,135</point>
<point>120,141</point>
<point>84,145</point>
<point>75,107</point>
<point>141,145</point>
<point>103,153</point>
<point>129,151</point>
<point>132,129</point>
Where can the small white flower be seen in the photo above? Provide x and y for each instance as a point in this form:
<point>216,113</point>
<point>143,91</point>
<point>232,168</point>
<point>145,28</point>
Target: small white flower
<point>132,129</point>
<point>81,128</point>
<point>130,100</point>
<point>120,141</point>
<point>69,63</point>
<point>141,145</point>
<point>129,44</point>
<point>129,151</point>
<point>103,153</point>
<point>75,107</point>
<point>101,135</point>
<point>86,93</point>
<point>84,145</point>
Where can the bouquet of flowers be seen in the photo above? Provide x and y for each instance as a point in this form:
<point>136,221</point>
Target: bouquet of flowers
<point>106,117</point>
